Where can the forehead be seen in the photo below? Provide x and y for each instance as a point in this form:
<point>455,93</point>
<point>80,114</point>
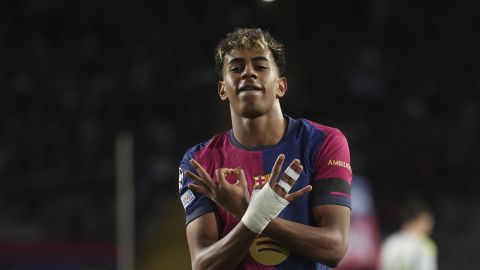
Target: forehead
<point>246,54</point>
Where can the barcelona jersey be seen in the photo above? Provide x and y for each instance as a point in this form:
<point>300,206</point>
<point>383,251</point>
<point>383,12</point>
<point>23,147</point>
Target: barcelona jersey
<point>325,157</point>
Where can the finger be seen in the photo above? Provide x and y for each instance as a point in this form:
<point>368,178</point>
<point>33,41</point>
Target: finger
<point>221,176</point>
<point>292,196</point>
<point>276,170</point>
<point>287,179</point>
<point>296,166</point>
<point>202,190</point>
<point>240,174</point>
<point>196,177</point>
<point>290,175</point>
<point>280,191</point>
<point>201,171</point>
<point>199,181</point>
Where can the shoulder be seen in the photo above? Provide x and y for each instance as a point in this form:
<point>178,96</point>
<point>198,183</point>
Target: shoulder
<point>321,133</point>
<point>402,241</point>
<point>203,148</point>
<point>315,127</point>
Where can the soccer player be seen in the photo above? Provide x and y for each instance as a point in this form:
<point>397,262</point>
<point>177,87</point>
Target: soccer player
<point>411,248</point>
<point>298,216</point>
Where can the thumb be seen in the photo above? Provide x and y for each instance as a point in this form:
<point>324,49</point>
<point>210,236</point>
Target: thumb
<point>240,174</point>
<point>221,174</point>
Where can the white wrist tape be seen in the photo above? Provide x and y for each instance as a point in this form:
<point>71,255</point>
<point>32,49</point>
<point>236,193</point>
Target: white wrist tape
<point>265,205</point>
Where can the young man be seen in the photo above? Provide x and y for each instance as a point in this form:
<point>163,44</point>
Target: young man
<point>299,215</point>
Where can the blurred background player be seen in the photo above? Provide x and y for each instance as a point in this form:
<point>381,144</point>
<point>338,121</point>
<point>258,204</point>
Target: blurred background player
<point>411,248</point>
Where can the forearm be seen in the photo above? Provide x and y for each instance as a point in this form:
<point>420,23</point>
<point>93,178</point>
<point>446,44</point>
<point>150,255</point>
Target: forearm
<point>227,252</point>
<point>230,250</point>
<point>210,252</point>
<point>317,243</point>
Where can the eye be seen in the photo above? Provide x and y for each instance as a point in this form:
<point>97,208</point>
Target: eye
<point>235,69</point>
<point>261,67</point>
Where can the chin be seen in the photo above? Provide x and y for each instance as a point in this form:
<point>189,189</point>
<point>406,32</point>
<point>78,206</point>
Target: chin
<point>252,110</point>
<point>251,113</point>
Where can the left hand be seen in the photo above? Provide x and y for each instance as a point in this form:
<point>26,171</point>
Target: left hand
<point>234,198</point>
<point>276,177</point>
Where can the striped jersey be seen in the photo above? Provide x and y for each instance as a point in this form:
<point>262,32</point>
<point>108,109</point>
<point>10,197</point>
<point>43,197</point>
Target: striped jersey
<point>325,157</point>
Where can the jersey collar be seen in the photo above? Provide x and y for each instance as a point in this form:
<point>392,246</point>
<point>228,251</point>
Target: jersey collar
<point>291,123</point>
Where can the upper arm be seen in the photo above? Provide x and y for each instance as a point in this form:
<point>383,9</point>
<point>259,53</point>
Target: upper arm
<point>195,204</point>
<point>336,219</point>
<point>330,200</point>
<point>200,216</point>
<point>201,233</point>
<point>332,173</point>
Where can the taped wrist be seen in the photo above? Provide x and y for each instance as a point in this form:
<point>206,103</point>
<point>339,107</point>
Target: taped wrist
<point>265,205</point>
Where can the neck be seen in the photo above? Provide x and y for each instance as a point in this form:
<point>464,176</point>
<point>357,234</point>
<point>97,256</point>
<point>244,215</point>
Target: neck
<point>267,129</point>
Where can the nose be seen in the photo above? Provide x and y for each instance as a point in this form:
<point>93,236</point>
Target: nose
<point>249,72</point>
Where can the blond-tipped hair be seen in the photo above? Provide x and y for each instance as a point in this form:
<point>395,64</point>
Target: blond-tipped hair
<point>250,38</point>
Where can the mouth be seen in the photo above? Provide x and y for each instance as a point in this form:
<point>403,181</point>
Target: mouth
<point>249,87</point>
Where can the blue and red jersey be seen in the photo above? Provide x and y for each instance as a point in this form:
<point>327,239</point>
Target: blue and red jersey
<point>325,157</point>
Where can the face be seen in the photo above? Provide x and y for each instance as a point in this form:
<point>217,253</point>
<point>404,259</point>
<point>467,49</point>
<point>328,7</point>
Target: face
<point>427,222</point>
<point>251,82</point>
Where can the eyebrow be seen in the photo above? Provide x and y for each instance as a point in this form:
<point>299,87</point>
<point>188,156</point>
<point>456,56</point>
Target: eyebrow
<point>254,59</point>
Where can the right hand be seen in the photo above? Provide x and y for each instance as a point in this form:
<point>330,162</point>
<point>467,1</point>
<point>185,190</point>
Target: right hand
<point>234,198</point>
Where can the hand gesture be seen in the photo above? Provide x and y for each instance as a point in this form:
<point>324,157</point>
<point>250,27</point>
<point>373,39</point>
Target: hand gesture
<point>268,201</point>
<point>233,198</point>
<point>289,177</point>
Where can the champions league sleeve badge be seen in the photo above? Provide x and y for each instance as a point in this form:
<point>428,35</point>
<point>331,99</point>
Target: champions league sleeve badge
<point>187,198</point>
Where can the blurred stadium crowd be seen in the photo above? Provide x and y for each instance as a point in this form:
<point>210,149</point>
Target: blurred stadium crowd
<point>401,80</point>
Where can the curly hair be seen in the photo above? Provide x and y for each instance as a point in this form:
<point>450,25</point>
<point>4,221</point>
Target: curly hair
<point>248,38</point>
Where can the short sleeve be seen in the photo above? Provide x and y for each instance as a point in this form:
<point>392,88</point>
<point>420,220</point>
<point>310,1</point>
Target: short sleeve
<point>194,204</point>
<point>332,176</point>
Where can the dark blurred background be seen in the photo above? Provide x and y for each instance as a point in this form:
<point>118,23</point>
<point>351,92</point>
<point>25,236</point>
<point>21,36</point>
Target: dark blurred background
<point>400,79</point>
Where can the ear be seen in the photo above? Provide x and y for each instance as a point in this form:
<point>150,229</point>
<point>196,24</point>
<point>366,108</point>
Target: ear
<point>282,87</point>
<point>221,91</point>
